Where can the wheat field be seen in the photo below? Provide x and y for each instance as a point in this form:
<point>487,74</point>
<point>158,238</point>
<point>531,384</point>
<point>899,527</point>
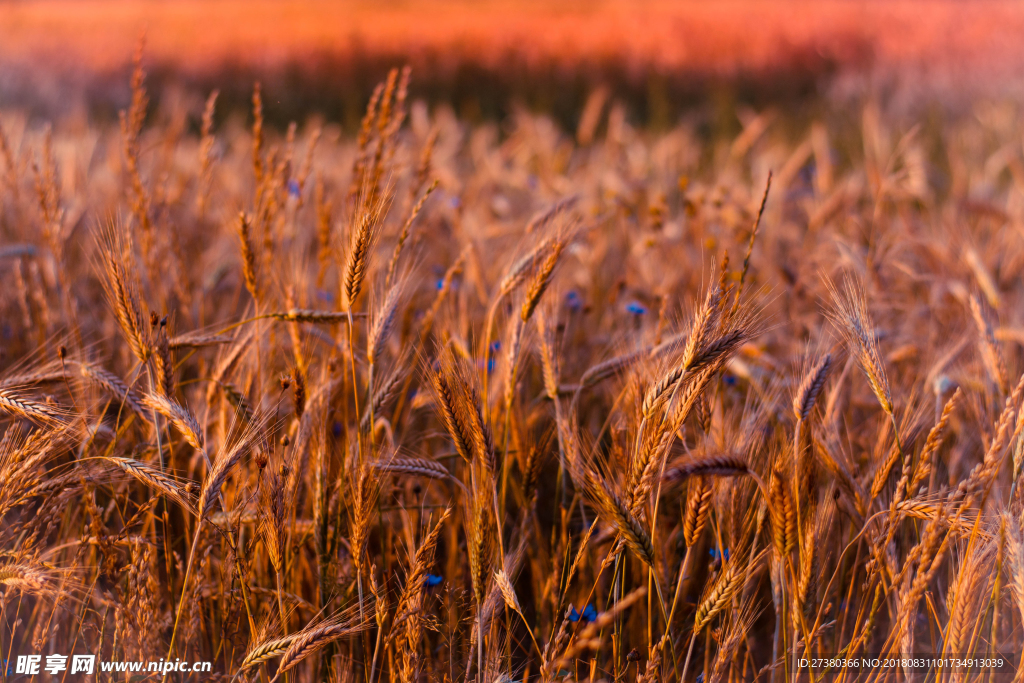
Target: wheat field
<point>440,402</point>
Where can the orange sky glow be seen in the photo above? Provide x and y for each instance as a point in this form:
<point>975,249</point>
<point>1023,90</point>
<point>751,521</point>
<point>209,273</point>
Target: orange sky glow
<point>712,37</point>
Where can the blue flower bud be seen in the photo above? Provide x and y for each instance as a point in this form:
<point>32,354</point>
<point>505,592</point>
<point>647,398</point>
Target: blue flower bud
<point>636,308</point>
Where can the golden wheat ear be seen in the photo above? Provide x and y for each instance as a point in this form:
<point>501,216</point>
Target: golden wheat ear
<point>317,636</point>
<point>154,478</point>
<point>122,286</point>
<point>850,315</point>
<point>810,387</point>
<point>27,578</point>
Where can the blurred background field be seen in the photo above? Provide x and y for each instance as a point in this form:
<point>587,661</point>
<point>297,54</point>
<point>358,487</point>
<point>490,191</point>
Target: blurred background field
<point>485,58</point>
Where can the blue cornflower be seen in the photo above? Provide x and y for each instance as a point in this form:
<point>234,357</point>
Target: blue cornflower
<point>293,188</point>
<point>455,202</point>
<point>573,300</point>
<point>440,283</point>
<point>730,380</point>
<point>325,295</point>
<point>589,614</point>
<point>700,677</point>
<point>636,308</point>
<point>492,363</point>
<point>716,555</point>
<point>434,580</point>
